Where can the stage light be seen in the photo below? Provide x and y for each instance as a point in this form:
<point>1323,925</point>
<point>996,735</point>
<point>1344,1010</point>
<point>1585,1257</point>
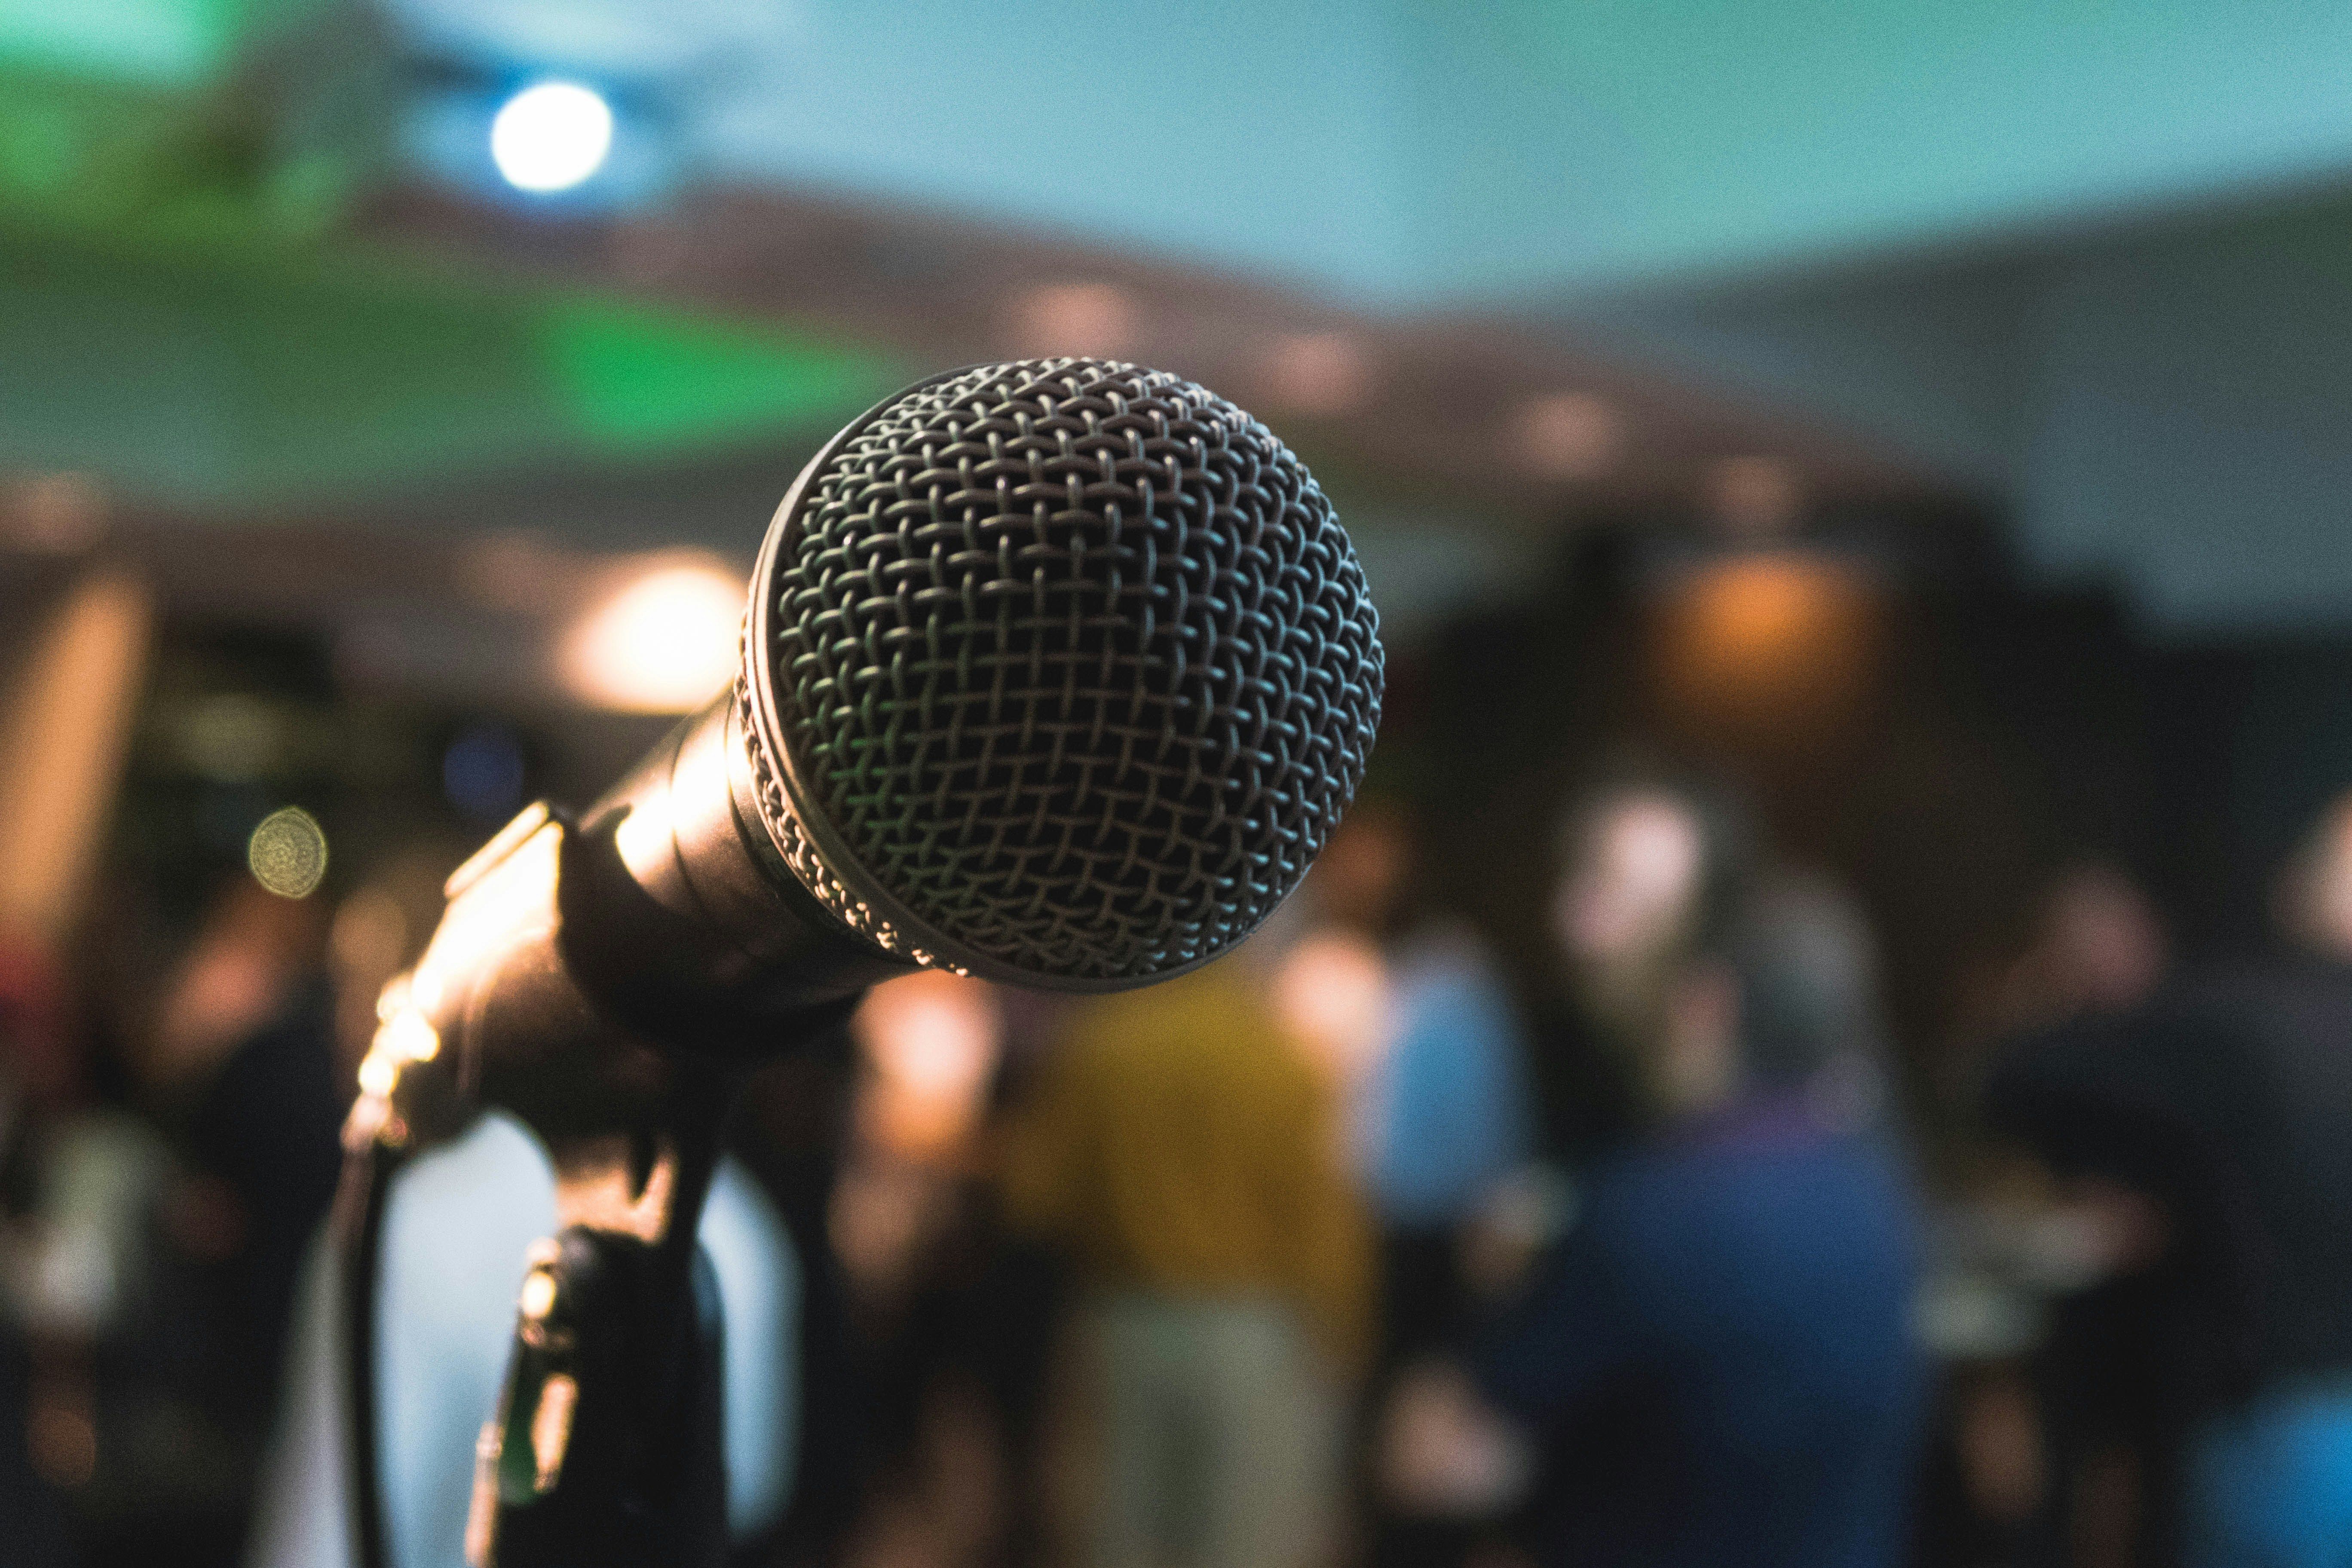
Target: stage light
<point>551,136</point>
<point>662,644</point>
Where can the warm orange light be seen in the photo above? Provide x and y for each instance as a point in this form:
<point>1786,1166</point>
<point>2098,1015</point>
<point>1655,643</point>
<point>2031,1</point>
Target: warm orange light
<point>1778,641</point>
<point>664,642</point>
<point>1759,609</point>
<point>62,745</point>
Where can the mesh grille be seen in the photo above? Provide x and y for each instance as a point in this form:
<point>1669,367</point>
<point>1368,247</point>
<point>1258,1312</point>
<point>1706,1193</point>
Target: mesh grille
<point>1077,663</point>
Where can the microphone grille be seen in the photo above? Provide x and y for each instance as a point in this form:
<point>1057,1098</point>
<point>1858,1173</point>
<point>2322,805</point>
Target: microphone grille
<point>1070,670</point>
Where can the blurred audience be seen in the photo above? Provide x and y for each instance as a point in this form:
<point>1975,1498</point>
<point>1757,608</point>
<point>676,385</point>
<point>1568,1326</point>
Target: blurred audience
<point>2214,1123</point>
<point>161,1203</point>
<point>1612,1254</point>
<point>1715,1364</point>
<point>1183,1151</point>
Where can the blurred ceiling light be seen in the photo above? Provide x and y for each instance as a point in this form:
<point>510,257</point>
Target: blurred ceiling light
<point>1318,373</point>
<point>57,515</point>
<point>287,853</point>
<point>1568,435</point>
<point>1753,497</point>
<point>1097,319</point>
<point>663,643</point>
<point>1774,646</point>
<point>551,136</point>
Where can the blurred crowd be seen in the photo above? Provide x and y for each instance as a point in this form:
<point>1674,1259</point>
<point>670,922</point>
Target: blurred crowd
<point>1376,1242</point>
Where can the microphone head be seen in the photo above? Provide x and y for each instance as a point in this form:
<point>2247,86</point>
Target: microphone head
<point>1058,672</point>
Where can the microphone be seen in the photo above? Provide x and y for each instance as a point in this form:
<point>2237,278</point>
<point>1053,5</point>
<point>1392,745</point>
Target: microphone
<point>1055,672</point>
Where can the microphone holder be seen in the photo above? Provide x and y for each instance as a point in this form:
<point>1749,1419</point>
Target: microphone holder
<point>605,1448</point>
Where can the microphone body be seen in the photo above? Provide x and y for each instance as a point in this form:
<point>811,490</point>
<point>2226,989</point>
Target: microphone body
<point>1057,673</point>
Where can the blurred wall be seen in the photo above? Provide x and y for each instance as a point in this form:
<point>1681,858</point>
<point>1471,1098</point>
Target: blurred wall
<point>2166,404</point>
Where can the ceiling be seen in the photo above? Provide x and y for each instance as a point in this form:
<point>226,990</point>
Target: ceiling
<point>1490,267</point>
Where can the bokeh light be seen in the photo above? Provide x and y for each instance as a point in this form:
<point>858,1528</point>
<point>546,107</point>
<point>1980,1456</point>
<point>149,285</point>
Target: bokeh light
<point>663,643</point>
<point>932,1040</point>
<point>551,136</point>
<point>287,853</point>
<point>1568,435</point>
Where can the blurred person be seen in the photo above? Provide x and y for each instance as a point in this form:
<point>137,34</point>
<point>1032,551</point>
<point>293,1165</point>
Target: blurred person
<point>1716,1363</point>
<point>1427,1043</point>
<point>1649,862</point>
<point>37,1076</point>
<point>1645,857</point>
<point>951,1393</point>
<point>162,1237</point>
<point>2061,1443</point>
<point>2211,1130</point>
<point>242,1063</point>
<point>1444,1110</point>
<point>2095,946</point>
<point>1182,1152</point>
<point>2100,947</point>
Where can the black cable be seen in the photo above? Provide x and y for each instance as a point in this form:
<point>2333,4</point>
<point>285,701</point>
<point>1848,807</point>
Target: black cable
<point>359,1244</point>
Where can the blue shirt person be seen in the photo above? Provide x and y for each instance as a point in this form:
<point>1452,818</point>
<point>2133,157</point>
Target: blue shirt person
<point>1717,1360</point>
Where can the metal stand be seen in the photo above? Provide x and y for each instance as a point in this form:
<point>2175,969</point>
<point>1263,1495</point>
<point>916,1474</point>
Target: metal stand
<point>606,1447</point>
<point>598,999</point>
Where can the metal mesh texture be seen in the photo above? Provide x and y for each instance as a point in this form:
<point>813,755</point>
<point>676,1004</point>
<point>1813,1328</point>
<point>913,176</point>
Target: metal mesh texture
<point>1076,659</point>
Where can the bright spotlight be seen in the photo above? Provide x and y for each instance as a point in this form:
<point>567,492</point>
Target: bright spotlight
<point>663,643</point>
<point>551,136</point>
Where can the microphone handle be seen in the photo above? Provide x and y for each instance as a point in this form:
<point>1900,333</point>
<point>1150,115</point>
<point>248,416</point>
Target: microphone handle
<point>662,923</point>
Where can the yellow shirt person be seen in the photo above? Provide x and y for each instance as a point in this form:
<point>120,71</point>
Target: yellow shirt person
<point>1180,1142</point>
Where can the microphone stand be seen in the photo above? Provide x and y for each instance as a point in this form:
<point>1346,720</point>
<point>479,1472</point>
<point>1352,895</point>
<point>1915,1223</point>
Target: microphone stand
<point>606,1447</point>
<point>573,992</point>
